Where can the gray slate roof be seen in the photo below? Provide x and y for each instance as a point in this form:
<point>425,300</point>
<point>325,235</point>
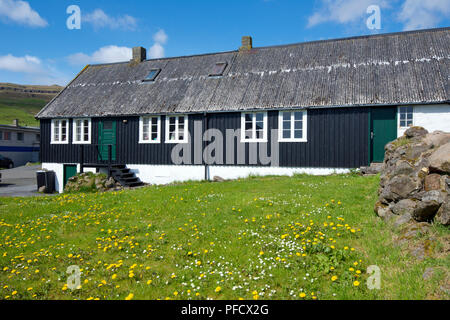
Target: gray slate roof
<point>386,69</point>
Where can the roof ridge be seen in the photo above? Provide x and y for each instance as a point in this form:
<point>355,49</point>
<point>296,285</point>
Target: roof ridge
<point>286,45</point>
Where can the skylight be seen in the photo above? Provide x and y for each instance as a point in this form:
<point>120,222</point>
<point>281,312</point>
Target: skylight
<point>152,75</point>
<point>218,69</point>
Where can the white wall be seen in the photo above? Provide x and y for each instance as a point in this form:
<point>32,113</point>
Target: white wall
<point>168,174</point>
<point>431,117</point>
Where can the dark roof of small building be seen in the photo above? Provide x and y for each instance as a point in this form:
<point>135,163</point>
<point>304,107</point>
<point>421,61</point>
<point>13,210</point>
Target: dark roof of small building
<point>386,69</point>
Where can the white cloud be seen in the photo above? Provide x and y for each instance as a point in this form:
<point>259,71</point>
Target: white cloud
<point>342,11</point>
<point>21,12</point>
<point>160,37</point>
<point>99,19</point>
<point>108,54</point>
<point>419,14</point>
<point>26,64</point>
<point>156,51</point>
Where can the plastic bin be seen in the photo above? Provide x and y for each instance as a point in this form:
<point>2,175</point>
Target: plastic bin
<point>47,179</point>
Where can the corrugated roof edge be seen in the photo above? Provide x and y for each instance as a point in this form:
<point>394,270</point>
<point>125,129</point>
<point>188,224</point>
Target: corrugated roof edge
<point>54,98</point>
<point>261,109</point>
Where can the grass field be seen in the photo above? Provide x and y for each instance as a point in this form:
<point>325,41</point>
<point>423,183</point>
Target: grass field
<point>261,238</point>
<point>23,109</point>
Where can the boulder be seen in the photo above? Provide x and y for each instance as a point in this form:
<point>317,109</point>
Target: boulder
<point>443,214</point>
<point>437,139</point>
<point>42,189</point>
<point>428,206</point>
<point>440,159</point>
<point>432,182</point>
<point>415,132</point>
<point>405,206</point>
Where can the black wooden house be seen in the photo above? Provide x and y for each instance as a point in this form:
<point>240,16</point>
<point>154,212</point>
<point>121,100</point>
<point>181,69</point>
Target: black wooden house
<point>332,105</point>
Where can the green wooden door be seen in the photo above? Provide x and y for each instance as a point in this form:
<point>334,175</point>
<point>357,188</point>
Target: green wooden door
<point>69,172</point>
<point>107,136</point>
<point>383,131</point>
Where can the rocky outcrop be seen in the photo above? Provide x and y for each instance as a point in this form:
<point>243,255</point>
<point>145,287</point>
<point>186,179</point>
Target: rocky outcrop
<point>414,181</point>
<point>90,182</point>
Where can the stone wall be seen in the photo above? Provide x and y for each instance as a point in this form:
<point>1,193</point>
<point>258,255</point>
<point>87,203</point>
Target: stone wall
<point>415,183</point>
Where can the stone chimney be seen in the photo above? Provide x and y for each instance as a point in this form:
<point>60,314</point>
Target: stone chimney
<point>139,54</point>
<point>16,122</point>
<point>247,44</point>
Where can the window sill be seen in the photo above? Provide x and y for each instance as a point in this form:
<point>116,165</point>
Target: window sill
<point>177,141</point>
<point>293,140</point>
<point>87,142</point>
<point>55,142</point>
<point>149,141</point>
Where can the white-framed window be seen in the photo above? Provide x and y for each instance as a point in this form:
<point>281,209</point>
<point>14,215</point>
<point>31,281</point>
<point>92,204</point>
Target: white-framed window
<point>177,129</point>
<point>82,131</point>
<point>150,129</point>
<point>254,127</point>
<point>293,126</point>
<point>405,117</point>
<point>60,131</point>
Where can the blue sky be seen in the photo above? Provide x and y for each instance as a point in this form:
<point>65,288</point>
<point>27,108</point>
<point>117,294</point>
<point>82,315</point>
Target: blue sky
<point>38,48</point>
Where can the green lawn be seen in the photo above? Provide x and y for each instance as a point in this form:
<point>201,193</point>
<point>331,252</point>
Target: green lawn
<point>261,238</point>
<point>23,109</point>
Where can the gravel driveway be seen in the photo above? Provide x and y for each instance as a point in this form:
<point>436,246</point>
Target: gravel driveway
<point>19,182</point>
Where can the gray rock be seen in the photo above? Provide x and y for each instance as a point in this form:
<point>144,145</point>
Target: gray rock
<point>403,219</point>
<point>440,159</point>
<point>415,132</point>
<point>402,186</point>
<point>437,139</point>
<point>428,207</point>
<point>443,214</point>
<point>218,179</point>
<point>405,206</point>
<point>42,189</point>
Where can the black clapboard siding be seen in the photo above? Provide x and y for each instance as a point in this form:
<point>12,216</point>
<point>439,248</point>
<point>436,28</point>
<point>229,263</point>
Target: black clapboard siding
<point>337,138</point>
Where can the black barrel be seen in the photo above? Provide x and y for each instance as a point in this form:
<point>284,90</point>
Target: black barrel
<point>49,182</point>
<point>40,177</point>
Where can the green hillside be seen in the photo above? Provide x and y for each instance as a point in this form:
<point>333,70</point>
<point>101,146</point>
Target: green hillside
<point>23,109</point>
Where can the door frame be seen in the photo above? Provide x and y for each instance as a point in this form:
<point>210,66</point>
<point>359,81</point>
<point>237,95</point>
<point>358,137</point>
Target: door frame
<point>100,139</point>
<point>65,175</point>
<point>370,126</point>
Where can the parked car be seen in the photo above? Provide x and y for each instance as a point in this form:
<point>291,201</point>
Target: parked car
<point>6,162</point>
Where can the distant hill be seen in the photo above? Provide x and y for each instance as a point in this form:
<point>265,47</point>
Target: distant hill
<point>23,102</point>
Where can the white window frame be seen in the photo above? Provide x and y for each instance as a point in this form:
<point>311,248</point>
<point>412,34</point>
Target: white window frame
<point>52,129</point>
<point>292,138</point>
<point>245,139</point>
<point>74,131</point>
<point>186,131</point>
<point>399,120</point>
<point>141,129</point>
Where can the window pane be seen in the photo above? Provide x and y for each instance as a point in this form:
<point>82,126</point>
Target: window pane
<point>248,117</point>
<point>172,120</point>
<point>298,125</point>
<point>259,125</point>
<point>259,134</point>
<point>155,121</point>
<point>298,116</point>
<point>298,134</point>
<point>402,123</point>
<point>286,134</point>
<point>286,116</point>
<point>154,136</point>
<point>248,126</point>
<point>402,116</point>
<point>259,117</point>
<point>287,125</point>
<point>248,134</point>
<point>409,109</point>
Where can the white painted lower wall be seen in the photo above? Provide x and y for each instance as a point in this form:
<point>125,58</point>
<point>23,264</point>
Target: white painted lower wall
<point>431,117</point>
<point>165,174</point>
